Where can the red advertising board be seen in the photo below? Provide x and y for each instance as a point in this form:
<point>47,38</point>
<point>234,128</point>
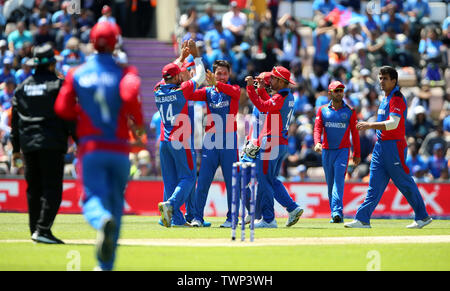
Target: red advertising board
<point>142,198</point>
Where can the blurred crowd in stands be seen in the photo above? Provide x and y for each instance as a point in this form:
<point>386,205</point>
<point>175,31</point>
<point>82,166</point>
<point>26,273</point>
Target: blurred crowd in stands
<point>341,41</point>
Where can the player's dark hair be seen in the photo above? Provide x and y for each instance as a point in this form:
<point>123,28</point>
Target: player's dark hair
<point>221,63</point>
<point>387,70</point>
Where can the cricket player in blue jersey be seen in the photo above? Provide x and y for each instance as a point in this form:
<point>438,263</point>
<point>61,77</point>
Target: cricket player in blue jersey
<point>103,97</point>
<point>220,139</point>
<point>335,121</point>
<point>389,155</point>
<point>178,166</point>
<point>251,149</point>
<point>273,139</point>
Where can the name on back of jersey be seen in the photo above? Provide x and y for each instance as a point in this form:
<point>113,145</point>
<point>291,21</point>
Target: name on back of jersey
<point>102,79</point>
<point>167,98</point>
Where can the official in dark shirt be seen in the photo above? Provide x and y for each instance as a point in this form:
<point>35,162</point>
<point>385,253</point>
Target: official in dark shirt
<point>42,137</point>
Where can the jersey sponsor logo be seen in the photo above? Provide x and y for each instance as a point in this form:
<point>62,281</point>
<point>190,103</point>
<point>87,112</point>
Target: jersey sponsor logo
<point>381,111</point>
<point>221,104</point>
<point>335,124</point>
<point>167,98</point>
<point>35,90</point>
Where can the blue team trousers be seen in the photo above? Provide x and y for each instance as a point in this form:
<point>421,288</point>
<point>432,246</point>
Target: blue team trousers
<point>388,162</point>
<point>268,164</point>
<point>335,163</point>
<point>211,159</point>
<point>178,168</point>
<point>281,196</point>
<point>104,177</point>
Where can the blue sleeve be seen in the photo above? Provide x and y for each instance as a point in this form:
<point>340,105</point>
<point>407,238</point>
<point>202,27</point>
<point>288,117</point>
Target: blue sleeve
<point>422,46</point>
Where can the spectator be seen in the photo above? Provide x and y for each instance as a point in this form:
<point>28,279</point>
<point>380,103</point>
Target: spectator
<point>350,39</point>
<point>318,79</point>
<point>414,159</point>
<point>235,21</point>
<point>437,162</point>
<point>7,72</point>
<point>291,41</point>
<point>418,13</point>
<point>7,93</point>
<point>338,58</point>
<point>375,47</point>
<point>422,125</point>
<point>107,15</point>
<point>323,7</point>
<point>4,52</point>
<point>72,56</point>
<point>40,12</point>
<point>223,53</point>
<point>302,174</point>
<point>63,35</point>
<point>300,100</point>
<point>434,137</point>
<point>394,21</point>
<point>321,42</point>
<point>189,18</point>
<point>25,71</point>
<point>18,37</point>
<point>214,36</point>
<point>193,33</point>
<point>446,31</point>
<point>43,34</point>
<point>360,59</point>
<point>206,22</point>
<point>60,17</point>
<point>84,24</point>
<point>419,174</point>
<point>243,57</point>
<point>266,43</point>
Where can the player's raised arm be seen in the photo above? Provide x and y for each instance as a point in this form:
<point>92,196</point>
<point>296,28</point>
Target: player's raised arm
<point>200,74</point>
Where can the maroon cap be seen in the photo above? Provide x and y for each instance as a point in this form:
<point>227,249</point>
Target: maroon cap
<point>335,85</point>
<point>266,77</point>
<point>282,73</point>
<point>171,70</point>
<point>104,35</point>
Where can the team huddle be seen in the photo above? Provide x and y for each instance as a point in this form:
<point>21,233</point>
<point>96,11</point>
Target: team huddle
<point>266,143</point>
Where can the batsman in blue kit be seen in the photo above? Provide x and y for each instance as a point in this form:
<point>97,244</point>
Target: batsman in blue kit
<point>273,139</point>
<point>177,155</point>
<point>389,155</point>
<point>103,97</point>
<point>220,139</point>
<point>335,121</point>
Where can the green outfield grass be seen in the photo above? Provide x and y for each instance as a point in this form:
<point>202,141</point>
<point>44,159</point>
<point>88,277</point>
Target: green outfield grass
<point>17,252</point>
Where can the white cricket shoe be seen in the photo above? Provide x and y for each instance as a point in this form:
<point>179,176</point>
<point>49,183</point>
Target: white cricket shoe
<point>166,210</point>
<point>356,224</point>
<point>294,216</point>
<point>420,223</point>
<point>247,219</point>
<point>263,224</point>
<point>196,223</point>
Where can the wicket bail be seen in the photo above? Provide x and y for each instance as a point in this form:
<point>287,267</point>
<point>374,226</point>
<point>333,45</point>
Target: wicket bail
<point>243,183</point>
